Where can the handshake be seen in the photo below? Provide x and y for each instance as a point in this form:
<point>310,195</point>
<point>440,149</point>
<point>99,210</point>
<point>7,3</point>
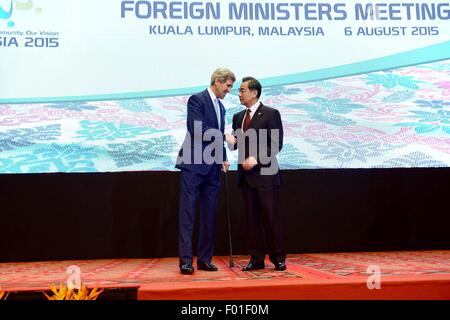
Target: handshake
<point>250,162</point>
<point>230,139</point>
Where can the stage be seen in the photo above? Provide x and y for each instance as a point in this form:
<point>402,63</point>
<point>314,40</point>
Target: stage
<point>403,275</point>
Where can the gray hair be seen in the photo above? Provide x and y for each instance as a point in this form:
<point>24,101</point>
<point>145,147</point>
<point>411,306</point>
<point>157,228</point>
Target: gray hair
<point>222,74</point>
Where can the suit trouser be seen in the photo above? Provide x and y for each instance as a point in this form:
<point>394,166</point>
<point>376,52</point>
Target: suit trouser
<point>193,187</point>
<point>264,222</point>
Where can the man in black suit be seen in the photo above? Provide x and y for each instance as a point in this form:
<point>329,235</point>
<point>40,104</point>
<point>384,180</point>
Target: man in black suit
<point>258,136</point>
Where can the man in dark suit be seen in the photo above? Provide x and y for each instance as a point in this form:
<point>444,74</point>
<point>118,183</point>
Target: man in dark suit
<point>201,159</point>
<point>258,135</point>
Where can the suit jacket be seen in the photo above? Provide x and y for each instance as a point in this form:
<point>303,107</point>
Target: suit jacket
<point>264,118</point>
<point>201,108</point>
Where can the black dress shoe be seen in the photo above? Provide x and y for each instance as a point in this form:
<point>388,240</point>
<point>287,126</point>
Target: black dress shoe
<point>186,268</point>
<point>206,266</point>
<point>280,266</point>
<point>254,265</point>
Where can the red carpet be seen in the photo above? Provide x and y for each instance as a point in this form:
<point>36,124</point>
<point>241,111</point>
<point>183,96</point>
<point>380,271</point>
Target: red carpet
<point>404,275</point>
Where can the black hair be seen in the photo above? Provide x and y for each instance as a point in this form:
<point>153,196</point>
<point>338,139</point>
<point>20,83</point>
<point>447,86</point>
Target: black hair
<point>253,84</point>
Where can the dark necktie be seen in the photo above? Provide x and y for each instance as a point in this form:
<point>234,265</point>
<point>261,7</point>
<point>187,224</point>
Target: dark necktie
<point>247,120</point>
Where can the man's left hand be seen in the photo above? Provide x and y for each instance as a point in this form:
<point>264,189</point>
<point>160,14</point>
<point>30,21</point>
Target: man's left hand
<point>249,163</point>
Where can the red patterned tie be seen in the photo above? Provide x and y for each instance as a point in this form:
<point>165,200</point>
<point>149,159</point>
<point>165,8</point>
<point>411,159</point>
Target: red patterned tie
<point>247,120</point>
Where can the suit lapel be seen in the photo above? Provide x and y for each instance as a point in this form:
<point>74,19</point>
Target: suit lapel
<point>258,113</point>
<point>210,111</point>
<point>240,119</point>
<point>222,116</point>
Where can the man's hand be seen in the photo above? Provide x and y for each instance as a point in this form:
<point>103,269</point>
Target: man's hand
<point>225,166</point>
<point>230,139</point>
<point>249,163</point>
